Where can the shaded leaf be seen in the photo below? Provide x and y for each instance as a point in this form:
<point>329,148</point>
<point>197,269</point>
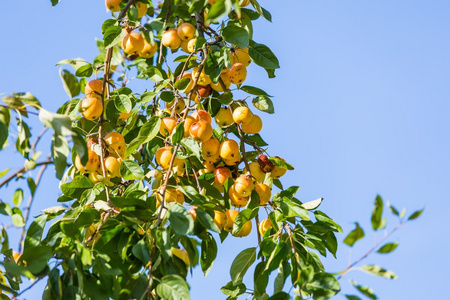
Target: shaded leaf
<point>354,236</point>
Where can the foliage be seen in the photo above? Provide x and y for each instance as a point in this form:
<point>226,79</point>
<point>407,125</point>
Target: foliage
<point>135,229</point>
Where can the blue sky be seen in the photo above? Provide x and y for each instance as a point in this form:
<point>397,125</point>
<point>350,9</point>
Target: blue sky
<point>361,100</point>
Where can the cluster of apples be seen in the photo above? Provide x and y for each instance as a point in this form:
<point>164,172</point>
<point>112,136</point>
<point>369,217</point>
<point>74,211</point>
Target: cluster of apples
<point>220,158</point>
<point>91,109</point>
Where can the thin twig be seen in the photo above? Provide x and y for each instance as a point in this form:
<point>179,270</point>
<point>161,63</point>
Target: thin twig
<point>22,171</point>
<point>164,26</point>
<point>33,148</point>
<point>20,109</point>
<point>377,244</point>
<point>30,202</point>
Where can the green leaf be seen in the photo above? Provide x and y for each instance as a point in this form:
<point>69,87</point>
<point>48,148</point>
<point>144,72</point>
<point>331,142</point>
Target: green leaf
<point>147,132</point>
<point>367,291</point>
<point>77,186</point>
<point>354,236</point>
<point>112,36</point>
<point>241,263</point>
<point>123,103</point>
<point>4,133</point>
<point>208,253</point>
<point>312,204</point>
<point>243,217</point>
<point>178,133</point>
<point>206,220</point>
<point>263,103</point>
<point>18,220</point>
<point>220,9</point>
<point>130,170</point>
<point>18,197</point>
<point>60,123</point>
<point>140,250</point>
<point>263,56</point>
<point>173,287</point>
<point>181,221</point>
<point>84,71</point>
<point>281,163</point>
<point>60,151</point>
<point>192,147</point>
<point>226,98</point>
<point>70,83</point>
<point>352,297</point>
<point>415,215</point>
<point>377,213</point>
<point>16,269</point>
<point>236,35</point>
<point>292,209</point>
<point>254,91</point>
<point>263,12</point>
<point>388,248</point>
<point>182,83</point>
<point>377,270</point>
<point>232,290</point>
<point>167,96</point>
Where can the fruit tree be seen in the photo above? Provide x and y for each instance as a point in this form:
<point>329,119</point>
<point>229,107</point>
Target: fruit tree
<point>152,181</point>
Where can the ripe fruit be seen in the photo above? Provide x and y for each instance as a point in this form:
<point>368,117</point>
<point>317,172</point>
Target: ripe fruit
<point>95,177</point>
<point>201,131</point>
<point>244,186</point>
<point>187,124</point>
<point>180,197</point>
<point>277,172</point>
<point>254,126</point>
<point>224,117</point>
<point>91,108</point>
<point>265,164</point>
<point>229,150</point>
<point>123,116</point>
<point>180,169</point>
<point>112,166</point>
<point>213,158</point>
<point>168,124</point>
<point>184,46</point>
<point>264,193</point>
<point>209,168</point>
<point>142,9</point>
<point>193,212</point>
<point>232,162</point>
<point>255,171</point>
<point>242,114</point>
<point>186,31</point>
<point>148,50</point>
<point>178,108</point>
<point>181,254</point>
<point>210,147</point>
<point>236,199</point>
<point>221,175</point>
<point>191,45</point>
<point>220,218</point>
<point>171,39</point>
<point>92,164</point>
<point>133,43</point>
<point>113,5</point>
<point>219,187</point>
<point>245,230</point>
<point>240,56</point>
<point>93,89</point>
<point>226,81</point>
<point>116,143</point>
<point>237,73</point>
<point>202,115</point>
<point>231,215</point>
<point>202,92</point>
<point>264,225</point>
<point>170,195</point>
<point>164,155</point>
<point>203,79</point>
<point>113,137</point>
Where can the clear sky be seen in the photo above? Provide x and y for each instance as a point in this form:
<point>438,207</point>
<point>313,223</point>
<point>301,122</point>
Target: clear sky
<point>361,100</point>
